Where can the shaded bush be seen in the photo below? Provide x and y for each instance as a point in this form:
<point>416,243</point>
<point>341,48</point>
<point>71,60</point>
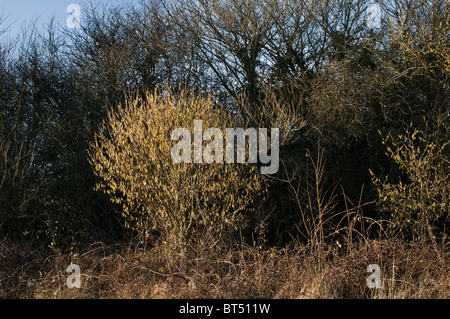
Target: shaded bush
<point>416,203</point>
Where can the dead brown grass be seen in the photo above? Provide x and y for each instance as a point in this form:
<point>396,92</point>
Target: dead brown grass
<point>238,271</point>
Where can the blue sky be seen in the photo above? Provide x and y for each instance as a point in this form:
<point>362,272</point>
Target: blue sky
<point>22,12</point>
<point>18,13</point>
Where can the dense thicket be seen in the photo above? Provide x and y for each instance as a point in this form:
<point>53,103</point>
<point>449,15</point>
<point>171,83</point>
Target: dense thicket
<point>314,68</point>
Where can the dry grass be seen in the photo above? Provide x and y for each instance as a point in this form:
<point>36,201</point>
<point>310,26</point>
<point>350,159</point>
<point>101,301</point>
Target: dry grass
<point>240,271</point>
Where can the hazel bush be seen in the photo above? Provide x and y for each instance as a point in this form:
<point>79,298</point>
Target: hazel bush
<point>180,202</point>
<point>423,37</point>
<point>417,203</point>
